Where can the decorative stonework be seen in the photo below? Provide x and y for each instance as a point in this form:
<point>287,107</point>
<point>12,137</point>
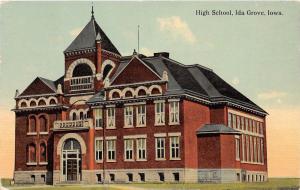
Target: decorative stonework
<point>77,62</point>
<point>69,136</point>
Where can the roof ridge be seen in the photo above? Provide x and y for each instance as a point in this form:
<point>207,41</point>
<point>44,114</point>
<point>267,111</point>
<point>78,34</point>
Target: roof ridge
<point>45,81</point>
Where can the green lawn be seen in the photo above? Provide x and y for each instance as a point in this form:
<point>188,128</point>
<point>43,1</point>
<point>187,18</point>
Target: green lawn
<point>274,183</point>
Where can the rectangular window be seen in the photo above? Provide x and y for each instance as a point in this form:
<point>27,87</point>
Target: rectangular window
<point>98,118</point>
<point>98,150</point>
<point>141,115</point>
<point>141,149</point>
<point>261,128</point>
<point>160,148</point>
<point>254,149</point>
<point>229,120</point>
<point>111,118</point>
<point>111,150</point>
<point>250,125</point>
<point>258,151</point>
<point>254,126</point>
<point>262,150</point>
<point>174,113</point>
<point>237,149</point>
<point>233,121</point>
<point>174,152</point>
<point>247,148</point>
<point>242,123</point>
<point>159,113</point>
<point>128,116</point>
<point>251,149</point>
<point>243,147</point>
<point>238,122</point>
<point>128,149</point>
<point>246,124</point>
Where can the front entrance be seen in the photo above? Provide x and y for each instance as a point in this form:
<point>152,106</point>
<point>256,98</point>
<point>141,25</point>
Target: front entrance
<point>71,160</point>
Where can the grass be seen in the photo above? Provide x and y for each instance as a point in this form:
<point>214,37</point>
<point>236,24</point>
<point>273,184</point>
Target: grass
<point>273,183</point>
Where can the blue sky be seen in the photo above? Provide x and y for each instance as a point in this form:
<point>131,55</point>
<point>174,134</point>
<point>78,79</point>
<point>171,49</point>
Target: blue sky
<point>257,55</point>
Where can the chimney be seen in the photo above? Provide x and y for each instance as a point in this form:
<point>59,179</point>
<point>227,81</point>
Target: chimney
<point>99,53</point>
<point>162,54</point>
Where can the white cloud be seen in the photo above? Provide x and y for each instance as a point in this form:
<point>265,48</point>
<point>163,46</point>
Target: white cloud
<point>177,28</point>
<point>146,51</point>
<point>3,1</point>
<point>235,81</point>
<point>75,32</point>
<point>272,95</point>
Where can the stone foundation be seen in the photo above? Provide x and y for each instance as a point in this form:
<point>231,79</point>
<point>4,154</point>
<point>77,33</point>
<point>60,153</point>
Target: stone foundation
<point>230,176</point>
<point>33,177</point>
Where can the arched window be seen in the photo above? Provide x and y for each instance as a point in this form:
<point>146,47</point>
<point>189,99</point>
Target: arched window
<point>81,115</point>
<point>115,95</point>
<point>82,70</point>
<point>155,91</point>
<point>43,152</point>
<point>52,102</point>
<point>42,103</point>
<point>43,124</point>
<point>128,94</point>
<point>32,103</point>
<point>142,92</point>
<point>32,125</point>
<point>106,71</point>
<point>23,104</point>
<point>74,116</point>
<point>31,153</point>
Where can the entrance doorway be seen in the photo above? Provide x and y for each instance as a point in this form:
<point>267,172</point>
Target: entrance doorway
<point>71,160</point>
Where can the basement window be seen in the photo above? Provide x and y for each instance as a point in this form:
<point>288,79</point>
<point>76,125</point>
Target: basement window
<point>99,179</point>
<point>161,176</point>
<point>176,176</point>
<point>32,178</point>
<point>142,177</point>
<point>130,177</point>
<point>112,177</point>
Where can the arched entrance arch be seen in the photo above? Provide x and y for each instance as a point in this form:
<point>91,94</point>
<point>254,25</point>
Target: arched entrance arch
<point>71,160</point>
<point>71,147</point>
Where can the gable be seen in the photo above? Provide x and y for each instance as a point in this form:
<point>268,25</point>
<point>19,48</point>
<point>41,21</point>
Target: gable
<point>135,71</point>
<point>37,87</point>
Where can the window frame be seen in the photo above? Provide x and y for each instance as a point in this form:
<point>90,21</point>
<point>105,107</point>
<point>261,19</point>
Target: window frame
<point>141,148</point>
<point>127,116</point>
<point>159,116</point>
<point>174,110</point>
<point>111,117</point>
<point>99,151</point>
<point>140,114</point>
<point>128,149</point>
<point>174,148</point>
<point>160,151</point>
<point>98,118</point>
<point>111,149</point>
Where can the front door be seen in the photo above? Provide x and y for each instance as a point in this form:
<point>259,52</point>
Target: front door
<point>72,170</point>
<point>71,161</point>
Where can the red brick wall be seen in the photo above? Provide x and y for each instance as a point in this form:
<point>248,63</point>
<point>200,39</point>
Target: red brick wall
<point>135,72</point>
<point>195,116</point>
<point>218,115</point>
<point>22,140</point>
<point>150,130</point>
<point>209,151</point>
<point>228,159</point>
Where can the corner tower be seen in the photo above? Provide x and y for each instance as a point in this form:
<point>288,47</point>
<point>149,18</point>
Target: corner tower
<point>89,60</point>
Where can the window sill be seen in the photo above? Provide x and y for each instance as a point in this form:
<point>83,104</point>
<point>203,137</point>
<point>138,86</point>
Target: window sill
<point>111,161</point>
<point>32,133</point>
<point>141,160</point>
<point>160,159</point>
<point>256,163</point>
<point>98,128</point>
<point>111,128</point>
<point>174,124</point>
<point>99,161</point>
<point>175,159</point>
<point>44,133</point>
<point>128,160</point>
<point>141,126</point>
<point>159,125</point>
<point>43,163</point>
<point>128,127</point>
<point>31,163</point>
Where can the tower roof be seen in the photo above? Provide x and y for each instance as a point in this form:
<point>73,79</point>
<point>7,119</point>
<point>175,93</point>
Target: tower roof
<point>86,39</point>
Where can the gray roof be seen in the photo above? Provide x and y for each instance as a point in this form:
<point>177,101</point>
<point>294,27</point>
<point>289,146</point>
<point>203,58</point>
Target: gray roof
<point>87,39</point>
<point>194,80</point>
<point>49,83</point>
<point>216,129</point>
<point>98,97</point>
